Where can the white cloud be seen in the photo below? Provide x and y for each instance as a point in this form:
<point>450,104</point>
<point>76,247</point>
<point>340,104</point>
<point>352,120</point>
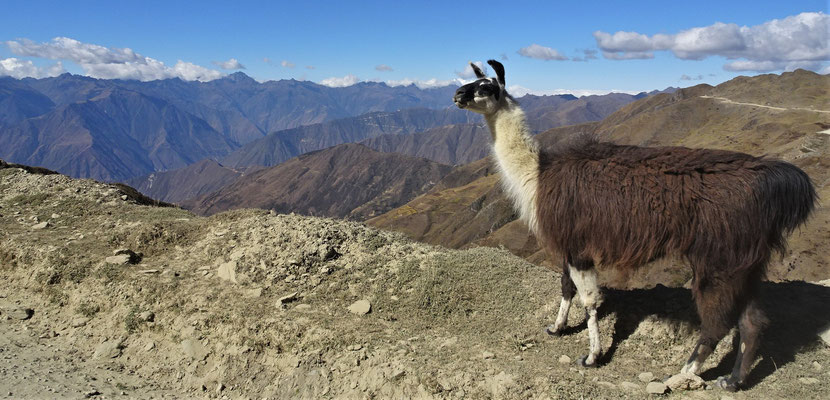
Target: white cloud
<point>110,63</point>
<point>424,84</point>
<point>541,53</point>
<point>519,91</point>
<point>629,55</point>
<point>287,64</point>
<point>229,65</point>
<point>685,77</point>
<point>309,67</point>
<point>347,80</point>
<point>17,68</point>
<point>468,72</point>
<point>796,41</point>
<point>384,68</point>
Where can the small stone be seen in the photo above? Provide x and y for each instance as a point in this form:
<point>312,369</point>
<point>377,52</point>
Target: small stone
<point>360,307</point>
<point>109,349</point>
<point>124,197</point>
<point>149,271</point>
<point>354,347</point>
<point>42,225</point>
<point>656,388</point>
<point>149,346</point>
<point>488,355</point>
<point>287,299</point>
<point>121,259</point>
<point>253,293</point>
<point>55,216</point>
<point>227,271</point>
<point>220,387</point>
<point>630,386</point>
<point>685,381</point>
<point>646,377</point>
<point>79,322</point>
<point>147,316</point>
<point>607,384</point>
<point>563,359</point>
<point>303,307</point>
<point>48,334</point>
<point>808,381</point>
<point>21,313</point>
<point>816,366</point>
<point>194,349</point>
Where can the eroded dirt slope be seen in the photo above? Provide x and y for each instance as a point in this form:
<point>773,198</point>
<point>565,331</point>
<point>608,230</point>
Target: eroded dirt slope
<point>249,304</point>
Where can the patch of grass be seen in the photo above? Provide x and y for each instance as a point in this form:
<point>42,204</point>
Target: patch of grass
<point>109,272</point>
<point>87,309</point>
<point>8,260</point>
<point>63,268</point>
<point>55,295</point>
<point>29,199</point>
<point>132,322</point>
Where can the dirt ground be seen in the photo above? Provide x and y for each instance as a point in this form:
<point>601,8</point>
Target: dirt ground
<point>249,304</point>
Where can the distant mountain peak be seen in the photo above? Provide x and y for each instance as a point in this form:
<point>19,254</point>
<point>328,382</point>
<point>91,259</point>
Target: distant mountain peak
<point>240,77</point>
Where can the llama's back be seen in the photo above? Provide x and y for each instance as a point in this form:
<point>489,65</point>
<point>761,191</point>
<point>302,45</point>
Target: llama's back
<point>625,205</point>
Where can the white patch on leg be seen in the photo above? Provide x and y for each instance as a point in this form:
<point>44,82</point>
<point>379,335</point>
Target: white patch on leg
<point>593,336</point>
<point>586,286</point>
<point>589,294</point>
<point>562,316</point>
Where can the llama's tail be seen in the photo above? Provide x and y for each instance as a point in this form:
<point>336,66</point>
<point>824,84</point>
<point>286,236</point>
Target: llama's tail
<point>787,198</point>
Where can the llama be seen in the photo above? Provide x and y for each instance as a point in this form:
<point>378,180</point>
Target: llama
<point>606,206</point>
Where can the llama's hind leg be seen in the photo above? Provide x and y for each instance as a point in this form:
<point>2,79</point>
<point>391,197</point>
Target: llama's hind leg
<point>584,277</point>
<point>716,307</point>
<point>568,292</point>
<point>750,325</point>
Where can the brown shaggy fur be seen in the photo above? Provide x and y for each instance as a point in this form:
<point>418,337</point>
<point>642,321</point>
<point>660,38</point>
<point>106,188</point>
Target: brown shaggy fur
<point>620,207</point>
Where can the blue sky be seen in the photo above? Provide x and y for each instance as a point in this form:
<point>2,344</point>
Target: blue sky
<point>425,42</point>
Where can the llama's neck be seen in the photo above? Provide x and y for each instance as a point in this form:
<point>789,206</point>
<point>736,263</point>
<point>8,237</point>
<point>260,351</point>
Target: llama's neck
<point>517,155</point>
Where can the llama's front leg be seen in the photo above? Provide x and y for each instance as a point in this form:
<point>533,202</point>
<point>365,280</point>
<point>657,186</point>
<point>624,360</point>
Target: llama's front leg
<point>568,292</point>
<point>585,279</point>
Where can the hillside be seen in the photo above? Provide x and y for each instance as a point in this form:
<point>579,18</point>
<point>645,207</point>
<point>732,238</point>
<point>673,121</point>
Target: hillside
<point>180,184</point>
<point>249,304</point>
<point>700,116</point>
<point>345,181</point>
<point>450,144</point>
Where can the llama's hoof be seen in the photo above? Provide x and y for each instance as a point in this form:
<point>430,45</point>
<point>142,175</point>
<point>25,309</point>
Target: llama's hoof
<point>552,332</point>
<point>727,383</point>
<point>583,362</point>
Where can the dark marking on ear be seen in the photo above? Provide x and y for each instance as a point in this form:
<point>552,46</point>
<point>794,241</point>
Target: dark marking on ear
<point>477,71</point>
<point>498,68</point>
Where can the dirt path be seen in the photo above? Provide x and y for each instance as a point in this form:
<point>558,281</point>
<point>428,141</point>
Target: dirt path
<point>728,101</point>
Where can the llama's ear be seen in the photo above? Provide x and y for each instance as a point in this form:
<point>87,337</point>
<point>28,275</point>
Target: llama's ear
<point>499,70</point>
<point>477,70</point>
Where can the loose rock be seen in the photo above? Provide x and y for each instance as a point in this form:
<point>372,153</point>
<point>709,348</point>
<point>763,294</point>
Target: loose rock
<point>488,355</point>
<point>194,349</point>
<point>21,313</point>
<point>42,225</point>
<point>563,359</point>
<point>656,388</point>
<point>646,377</point>
<point>630,386</point>
<point>109,349</point>
<point>79,322</point>
<point>360,307</point>
<point>685,381</point>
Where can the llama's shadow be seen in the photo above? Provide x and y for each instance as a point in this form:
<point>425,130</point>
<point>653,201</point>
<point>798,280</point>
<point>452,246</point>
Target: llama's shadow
<point>797,312</point>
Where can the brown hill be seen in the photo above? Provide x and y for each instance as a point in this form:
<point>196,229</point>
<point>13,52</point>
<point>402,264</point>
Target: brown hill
<point>197,179</point>
<point>346,181</point>
<point>761,121</point>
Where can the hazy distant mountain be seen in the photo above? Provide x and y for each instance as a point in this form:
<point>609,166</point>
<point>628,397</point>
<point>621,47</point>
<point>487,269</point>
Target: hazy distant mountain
<point>282,145</point>
<point>345,181</point>
<point>117,129</point>
<point>115,135</point>
<point>450,144</point>
<point>18,101</point>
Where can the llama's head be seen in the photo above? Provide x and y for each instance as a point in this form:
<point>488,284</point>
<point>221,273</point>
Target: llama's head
<point>485,95</point>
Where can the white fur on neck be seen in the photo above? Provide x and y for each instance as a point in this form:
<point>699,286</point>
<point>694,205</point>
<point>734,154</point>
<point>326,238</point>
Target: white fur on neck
<point>517,155</point>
